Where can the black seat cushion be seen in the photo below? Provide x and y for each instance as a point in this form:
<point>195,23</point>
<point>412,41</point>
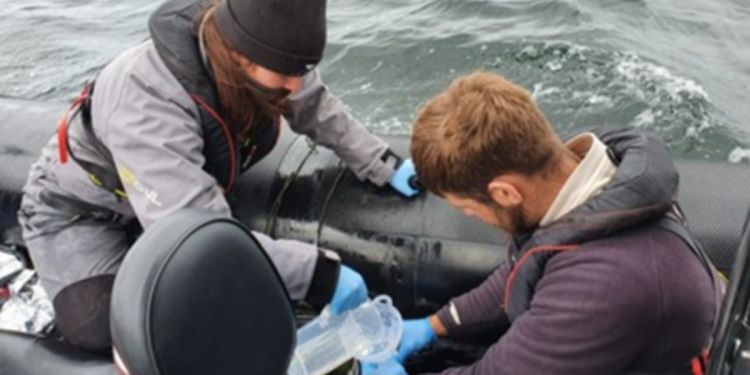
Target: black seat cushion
<point>22,354</point>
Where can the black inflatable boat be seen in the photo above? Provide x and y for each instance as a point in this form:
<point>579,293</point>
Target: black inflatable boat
<point>421,251</point>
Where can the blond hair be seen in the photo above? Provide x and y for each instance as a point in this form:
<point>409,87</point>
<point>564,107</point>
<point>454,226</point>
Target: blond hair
<point>480,127</point>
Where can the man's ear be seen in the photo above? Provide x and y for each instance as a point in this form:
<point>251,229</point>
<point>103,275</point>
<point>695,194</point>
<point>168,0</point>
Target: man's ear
<point>504,192</point>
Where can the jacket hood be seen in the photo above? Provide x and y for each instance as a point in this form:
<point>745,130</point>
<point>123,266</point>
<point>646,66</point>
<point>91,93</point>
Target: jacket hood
<point>643,188</point>
<point>173,30</point>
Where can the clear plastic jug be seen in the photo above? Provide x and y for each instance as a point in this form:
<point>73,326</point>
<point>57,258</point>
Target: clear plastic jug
<point>371,333</point>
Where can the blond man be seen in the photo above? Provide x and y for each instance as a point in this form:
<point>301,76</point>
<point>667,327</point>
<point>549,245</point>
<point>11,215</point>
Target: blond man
<point>602,274</point>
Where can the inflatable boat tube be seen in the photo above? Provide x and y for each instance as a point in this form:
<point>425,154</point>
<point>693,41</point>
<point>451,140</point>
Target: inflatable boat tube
<point>420,251</point>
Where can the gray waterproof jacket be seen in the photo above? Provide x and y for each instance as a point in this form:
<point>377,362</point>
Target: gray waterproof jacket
<point>151,126</point>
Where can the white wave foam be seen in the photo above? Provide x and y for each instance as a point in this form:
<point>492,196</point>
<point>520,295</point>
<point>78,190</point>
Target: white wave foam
<point>600,100</point>
<point>540,91</point>
<point>391,126</point>
<point>529,52</point>
<point>738,155</point>
<point>554,65</point>
<point>644,119</point>
<point>645,74</point>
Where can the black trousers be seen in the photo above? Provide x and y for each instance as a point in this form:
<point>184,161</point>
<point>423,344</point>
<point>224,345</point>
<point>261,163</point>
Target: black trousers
<point>82,313</point>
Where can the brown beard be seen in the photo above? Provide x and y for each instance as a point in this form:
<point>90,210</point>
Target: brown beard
<point>516,218</point>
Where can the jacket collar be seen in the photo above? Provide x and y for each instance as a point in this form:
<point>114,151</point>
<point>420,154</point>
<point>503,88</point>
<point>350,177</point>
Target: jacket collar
<point>173,31</point>
<point>643,188</point>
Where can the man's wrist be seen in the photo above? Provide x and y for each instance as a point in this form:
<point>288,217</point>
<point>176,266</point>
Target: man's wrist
<point>437,326</point>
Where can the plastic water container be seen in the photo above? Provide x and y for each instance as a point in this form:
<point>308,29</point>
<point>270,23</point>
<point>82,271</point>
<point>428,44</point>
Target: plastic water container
<point>371,333</point>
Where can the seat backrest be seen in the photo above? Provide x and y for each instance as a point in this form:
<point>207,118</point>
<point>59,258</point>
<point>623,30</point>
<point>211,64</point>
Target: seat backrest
<point>196,294</point>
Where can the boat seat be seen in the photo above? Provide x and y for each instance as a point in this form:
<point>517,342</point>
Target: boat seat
<point>22,354</point>
<point>195,295</point>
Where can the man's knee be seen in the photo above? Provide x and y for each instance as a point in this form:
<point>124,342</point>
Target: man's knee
<point>82,313</point>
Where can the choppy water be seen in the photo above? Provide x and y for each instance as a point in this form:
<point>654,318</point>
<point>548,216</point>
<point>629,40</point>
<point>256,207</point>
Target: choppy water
<point>680,68</point>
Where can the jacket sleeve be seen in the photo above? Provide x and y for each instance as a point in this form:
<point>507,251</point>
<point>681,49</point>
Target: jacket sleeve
<point>322,116</point>
<point>478,309</point>
<point>579,323</point>
<point>155,139</point>
<point>308,273</point>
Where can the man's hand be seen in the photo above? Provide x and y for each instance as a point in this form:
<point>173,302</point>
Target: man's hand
<point>404,180</point>
<point>350,292</point>
<point>389,367</point>
<point>418,334</point>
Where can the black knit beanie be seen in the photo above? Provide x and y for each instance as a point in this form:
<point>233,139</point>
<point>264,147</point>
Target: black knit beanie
<point>286,36</point>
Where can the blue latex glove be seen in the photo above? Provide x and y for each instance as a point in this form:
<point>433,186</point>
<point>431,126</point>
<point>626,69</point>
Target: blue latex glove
<point>389,367</point>
<point>418,334</point>
<point>350,292</point>
<point>404,180</point>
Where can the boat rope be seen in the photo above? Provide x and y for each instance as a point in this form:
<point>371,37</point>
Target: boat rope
<point>271,223</point>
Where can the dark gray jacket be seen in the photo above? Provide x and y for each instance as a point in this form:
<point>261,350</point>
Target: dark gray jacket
<point>622,296</point>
